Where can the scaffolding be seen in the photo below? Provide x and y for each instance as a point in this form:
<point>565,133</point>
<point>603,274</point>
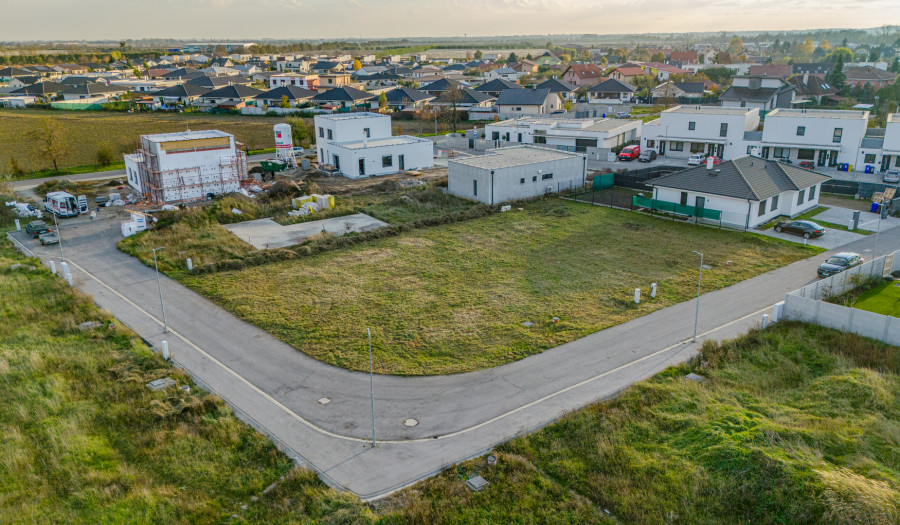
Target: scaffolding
<point>181,185</point>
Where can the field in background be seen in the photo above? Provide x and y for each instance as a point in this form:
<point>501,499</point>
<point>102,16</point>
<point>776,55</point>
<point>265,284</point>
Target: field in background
<point>453,298</point>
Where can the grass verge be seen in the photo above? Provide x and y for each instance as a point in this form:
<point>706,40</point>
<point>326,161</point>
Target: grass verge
<point>453,298</point>
<point>883,298</point>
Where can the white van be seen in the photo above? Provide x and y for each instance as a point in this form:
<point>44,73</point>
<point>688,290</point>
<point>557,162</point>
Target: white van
<point>62,203</point>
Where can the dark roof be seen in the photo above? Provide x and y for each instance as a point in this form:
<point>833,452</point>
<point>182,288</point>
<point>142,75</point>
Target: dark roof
<point>95,88</point>
<point>441,85</point>
<point>29,80</point>
<point>815,85</point>
<point>750,178</point>
<point>556,85</point>
<point>691,87</point>
<point>868,73</point>
<point>613,86</point>
<point>214,82</point>
<point>822,68</point>
<point>404,94</point>
<point>455,67</point>
<point>233,91</point>
<point>384,75</point>
<point>183,73</point>
<point>182,90</point>
<point>291,92</point>
<point>324,66</point>
<point>497,85</point>
<point>752,95</point>
<point>872,143</point>
<point>14,72</point>
<point>523,97</point>
<point>42,88</point>
<point>77,81</point>
<point>772,70</point>
<point>343,94</point>
<point>469,96</point>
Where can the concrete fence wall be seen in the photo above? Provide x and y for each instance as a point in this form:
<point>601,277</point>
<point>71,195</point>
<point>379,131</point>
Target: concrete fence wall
<point>806,304</point>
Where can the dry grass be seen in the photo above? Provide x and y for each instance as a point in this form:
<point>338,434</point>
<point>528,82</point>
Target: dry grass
<point>453,298</point>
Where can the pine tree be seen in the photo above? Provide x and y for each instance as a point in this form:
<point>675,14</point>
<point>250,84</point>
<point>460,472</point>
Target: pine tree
<point>837,77</point>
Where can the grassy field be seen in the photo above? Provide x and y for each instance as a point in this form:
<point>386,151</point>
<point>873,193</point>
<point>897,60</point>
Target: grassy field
<point>453,298</point>
<point>87,131</point>
<point>882,299</point>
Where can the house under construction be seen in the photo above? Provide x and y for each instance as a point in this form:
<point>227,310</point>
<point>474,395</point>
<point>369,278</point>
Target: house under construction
<point>172,168</point>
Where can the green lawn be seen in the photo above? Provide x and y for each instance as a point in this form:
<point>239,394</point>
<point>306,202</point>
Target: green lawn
<point>453,298</point>
<point>882,299</point>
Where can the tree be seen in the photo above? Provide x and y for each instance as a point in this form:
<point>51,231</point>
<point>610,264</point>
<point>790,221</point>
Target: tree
<point>804,50</point>
<point>736,46</point>
<point>565,57</point>
<point>357,65</point>
<point>512,59</point>
<point>585,55</point>
<point>104,154</point>
<point>285,102</point>
<point>825,46</point>
<point>478,55</point>
<point>895,65</point>
<point>837,77</point>
<point>659,56</point>
<point>453,96</point>
<point>302,131</point>
<point>137,73</point>
<point>604,62</point>
<point>568,105</point>
<point>529,57</point>
<point>122,44</point>
<point>874,54</point>
<point>844,53</point>
<point>382,100</point>
<point>53,142</point>
<point>644,81</point>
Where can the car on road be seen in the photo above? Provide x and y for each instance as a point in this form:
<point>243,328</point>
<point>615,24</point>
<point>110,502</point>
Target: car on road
<point>623,114</point>
<point>696,159</point>
<point>807,165</point>
<point>559,112</point>
<point>838,263</point>
<point>36,228</point>
<point>630,153</point>
<point>647,156</point>
<point>49,238</point>
<point>891,176</point>
<point>805,229</point>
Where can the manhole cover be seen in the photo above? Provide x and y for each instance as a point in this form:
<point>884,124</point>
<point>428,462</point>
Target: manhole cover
<point>410,422</point>
<point>324,400</point>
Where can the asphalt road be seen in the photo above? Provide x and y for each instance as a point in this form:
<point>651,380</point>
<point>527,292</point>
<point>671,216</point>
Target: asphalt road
<point>322,414</point>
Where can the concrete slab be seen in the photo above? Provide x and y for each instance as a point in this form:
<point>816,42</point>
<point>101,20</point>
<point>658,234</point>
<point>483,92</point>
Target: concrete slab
<point>831,240</point>
<point>867,221</point>
<point>266,234</point>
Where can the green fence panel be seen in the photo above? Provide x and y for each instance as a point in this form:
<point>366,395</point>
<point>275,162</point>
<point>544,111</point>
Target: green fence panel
<point>674,207</point>
<point>601,182</point>
<point>706,213</point>
<point>641,202</point>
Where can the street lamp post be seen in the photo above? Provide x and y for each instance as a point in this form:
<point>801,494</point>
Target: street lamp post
<point>697,310</point>
<point>159,287</point>
<point>59,236</point>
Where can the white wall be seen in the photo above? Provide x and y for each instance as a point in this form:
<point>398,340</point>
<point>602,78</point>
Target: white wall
<point>416,155</point>
<point>349,128</point>
<point>674,126</point>
<point>508,182</point>
<point>781,130</point>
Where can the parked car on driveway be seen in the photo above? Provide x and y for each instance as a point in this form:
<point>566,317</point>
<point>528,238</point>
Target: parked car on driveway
<point>647,156</point>
<point>697,159</point>
<point>49,238</point>
<point>839,262</point>
<point>805,229</point>
<point>891,176</point>
<point>630,153</point>
<point>36,228</point>
<point>807,165</point>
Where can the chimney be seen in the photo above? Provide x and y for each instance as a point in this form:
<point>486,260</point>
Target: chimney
<point>805,79</point>
<point>709,163</point>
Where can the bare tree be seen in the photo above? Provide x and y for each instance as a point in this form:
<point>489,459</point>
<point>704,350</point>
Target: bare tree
<point>453,96</point>
<point>53,141</point>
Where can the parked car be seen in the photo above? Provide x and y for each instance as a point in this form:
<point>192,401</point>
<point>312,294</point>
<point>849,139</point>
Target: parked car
<point>36,228</point>
<point>49,238</point>
<point>839,262</point>
<point>697,159</point>
<point>630,153</point>
<point>647,156</point>
<point>807,165</point>
<point>785,161</point>
<point>891,176</point>
<point>623,114</point>
<point>806,229</point>
<point>298,151</point>
<point>559,112</point>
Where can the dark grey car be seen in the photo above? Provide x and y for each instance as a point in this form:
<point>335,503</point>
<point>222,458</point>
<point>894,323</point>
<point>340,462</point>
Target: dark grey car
<point>838,263</point>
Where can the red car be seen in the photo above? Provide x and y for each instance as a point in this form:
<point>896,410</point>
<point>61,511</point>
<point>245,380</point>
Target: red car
<point>630,153</point>
<point>807,165</point>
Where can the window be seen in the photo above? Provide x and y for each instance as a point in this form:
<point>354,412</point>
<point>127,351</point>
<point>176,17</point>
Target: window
<point>684,197</point>
<point>534,179</point>
<point>762,209</point>
<point>337,162</point>
<point>806,154</point>
<point>367,133</point>
<point>387,161</point>
<point>330,135</point>
<point>475,187</point>
<point>869,158</point>
<point>696,147</point>
<point>321,132</point>
<point>677,146</point>
<point>781,153</point>
<point>723,129</point>
<point>838,133</point>
<point>897,162</point>
<point>546,176</point>
<point>800,197</point>
<point>495,135</point>
<point>522,180</point>
<point>750,150</point>
<point>540,140</point>
<point>774,203</point>
<point>652,143</point>
<point>692,126</point>
<point>812,192</point>
<point>801,130</point>
<point>743,103</point>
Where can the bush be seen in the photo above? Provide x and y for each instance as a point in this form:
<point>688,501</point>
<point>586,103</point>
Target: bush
<point>104,154</point>
<point>15,168</point>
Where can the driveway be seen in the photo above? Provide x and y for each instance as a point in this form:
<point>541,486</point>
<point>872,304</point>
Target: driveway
<point>867,221</point>
<point>831,240</point>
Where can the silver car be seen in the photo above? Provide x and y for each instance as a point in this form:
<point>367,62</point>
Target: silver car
<point>891,176</point>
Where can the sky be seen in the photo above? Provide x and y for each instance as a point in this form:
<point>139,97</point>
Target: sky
<point>60,20</point>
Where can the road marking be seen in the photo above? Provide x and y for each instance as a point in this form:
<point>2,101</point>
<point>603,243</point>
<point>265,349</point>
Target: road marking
<point>417,440</point>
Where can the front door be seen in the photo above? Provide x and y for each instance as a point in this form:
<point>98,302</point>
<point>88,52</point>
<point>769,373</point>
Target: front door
<point>885,162</point>
<point>832,159</point>
<point>701,203</point>
<point>823,155</point>
<point>362,167</point>
<point>720,150</point>
<point>765,152</point>
<point>711,149</point>
<point>662,147</point>
<point>401,162</point>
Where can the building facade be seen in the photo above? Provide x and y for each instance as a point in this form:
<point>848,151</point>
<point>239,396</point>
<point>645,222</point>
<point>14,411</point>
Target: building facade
<point>682,131</point>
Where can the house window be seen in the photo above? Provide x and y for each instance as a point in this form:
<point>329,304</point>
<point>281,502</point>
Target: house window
<point>743,103</point>
<point>869,158</point>
<point>800,197</point>
<point>475,187</point>
<point>543,140</point>
<point>495,135</point>
<point>330,135</point>
<point>522,180</point>
<point>677,146</point>
<point>387,161</point>
<point>546,176</point>
<point>692,126</point>
<point>774,203</point>
<point>651,143</point>
<point>781,153</point>
<point>762,209</point>
<point>801,130</point>
<point>321,132</point>
<point>812,192</point>
<point>366,131</point>
<point>838,133</point>
<point>806,154</point>
<point>723,129</point>
<point>897,161</point>
<point>696,147</point>
<point>534,179</point>
<point>684,197</point>
<point>750,149</point>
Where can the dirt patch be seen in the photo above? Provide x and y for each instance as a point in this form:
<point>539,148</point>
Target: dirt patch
<point>389,183</point>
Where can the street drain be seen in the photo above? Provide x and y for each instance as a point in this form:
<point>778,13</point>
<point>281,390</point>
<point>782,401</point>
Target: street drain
<point>324,400</point>
<point>410,422</point>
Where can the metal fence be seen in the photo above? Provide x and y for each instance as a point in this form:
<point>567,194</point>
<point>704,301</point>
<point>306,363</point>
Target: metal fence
<point>637,179</point>
<point>675,208</point>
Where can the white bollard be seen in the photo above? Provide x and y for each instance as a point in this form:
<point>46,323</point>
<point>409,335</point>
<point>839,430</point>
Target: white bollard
<point>165,350</point>
<point>652,290</point>
<point>64,269</point>
<point>70,280</point>
<point>777,310</point>
<point>18,225</point>
<point>190,264</point>
<point>850,225</point>
<point>53,267</point>
<point>637,296</point>
<point>765,321</point>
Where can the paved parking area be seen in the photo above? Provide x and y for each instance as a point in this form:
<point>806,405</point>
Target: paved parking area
<point>266,234</point>
<point>867,221</point>
<point>831,240</point>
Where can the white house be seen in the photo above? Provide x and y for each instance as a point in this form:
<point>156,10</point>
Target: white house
<point>714,130</point>
<point>519,172</point>
<point>611,91</point>
<point>590,136</point>
<point>503,73</point>
<point>186,166</point>
<point>512,103</point>
<point>748,191</point>
<point>360,145</point>
<point>757,91</point>
<point>310,82</point>
<point>825,137</point>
